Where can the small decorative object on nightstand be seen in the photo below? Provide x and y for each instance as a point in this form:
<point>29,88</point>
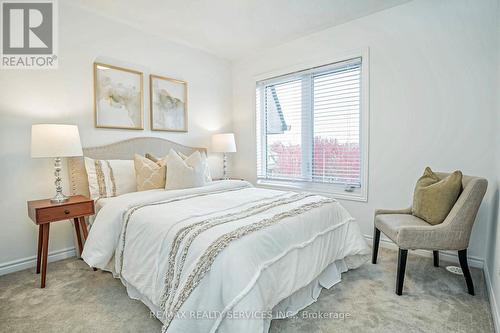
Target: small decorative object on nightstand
<point>224,143</point>
<point>56,141</point>
<point>44,212</point>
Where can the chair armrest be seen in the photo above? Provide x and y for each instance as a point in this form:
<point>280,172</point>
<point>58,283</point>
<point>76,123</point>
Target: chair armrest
<point>393,211</point>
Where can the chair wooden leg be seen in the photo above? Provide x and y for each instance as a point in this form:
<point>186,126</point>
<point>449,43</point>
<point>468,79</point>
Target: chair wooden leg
<point>376,241</point>
<point>401,271</point>
<point>436,258</point>
<point>462,257</point>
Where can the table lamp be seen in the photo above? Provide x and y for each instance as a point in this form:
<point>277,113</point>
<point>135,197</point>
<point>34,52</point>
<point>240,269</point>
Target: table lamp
<point>56,141</point>
<point>223,143</point>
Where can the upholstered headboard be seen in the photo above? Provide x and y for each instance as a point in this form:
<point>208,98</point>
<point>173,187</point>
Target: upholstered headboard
<point>121,150</point>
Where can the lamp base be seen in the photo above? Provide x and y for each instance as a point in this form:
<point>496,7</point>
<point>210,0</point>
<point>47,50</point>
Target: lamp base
<point>224,167</point>
<point>59,198</point>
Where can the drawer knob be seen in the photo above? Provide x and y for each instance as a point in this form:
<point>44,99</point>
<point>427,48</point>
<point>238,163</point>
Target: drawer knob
<point>66,212</point>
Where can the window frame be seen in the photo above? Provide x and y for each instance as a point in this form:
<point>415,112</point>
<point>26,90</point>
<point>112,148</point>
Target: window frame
<point>335,190</point>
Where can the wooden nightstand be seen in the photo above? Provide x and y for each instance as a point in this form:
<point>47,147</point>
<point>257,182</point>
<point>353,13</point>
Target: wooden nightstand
<point>43,212</point>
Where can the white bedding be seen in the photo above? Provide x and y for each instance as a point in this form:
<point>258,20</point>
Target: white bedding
<point>283,245</point>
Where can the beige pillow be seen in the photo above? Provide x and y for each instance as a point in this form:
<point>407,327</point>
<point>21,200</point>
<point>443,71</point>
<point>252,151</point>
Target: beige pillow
<point>149,175</point>
<point>152,157</point>
<point>434,197</point>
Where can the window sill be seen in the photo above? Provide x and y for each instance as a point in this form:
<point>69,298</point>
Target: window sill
<point>331,190</point>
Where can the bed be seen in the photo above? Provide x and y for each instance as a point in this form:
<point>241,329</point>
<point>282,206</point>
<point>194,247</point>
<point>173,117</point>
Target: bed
<point>225,257</point>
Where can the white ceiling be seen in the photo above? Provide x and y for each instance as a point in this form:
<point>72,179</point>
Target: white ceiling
<point>233,28</point>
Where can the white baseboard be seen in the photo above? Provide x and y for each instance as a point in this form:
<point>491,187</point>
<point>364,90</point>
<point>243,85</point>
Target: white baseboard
<point>493,302</point>
<point>444,255</point>
<point>20,264</point>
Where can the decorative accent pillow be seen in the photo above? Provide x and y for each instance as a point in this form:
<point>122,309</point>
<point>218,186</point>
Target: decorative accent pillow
<point>206,172</point>
<point>434,197</point>
<point>207,175</point>
<point>184,173</point>
<point>110,178</point>
<point>149,175</point>
<point>152,157</point>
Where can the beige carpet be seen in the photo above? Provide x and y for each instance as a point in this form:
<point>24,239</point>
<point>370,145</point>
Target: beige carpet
<point>77,299</point>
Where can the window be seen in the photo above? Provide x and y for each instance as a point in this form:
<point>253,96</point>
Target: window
<point>309,129</point>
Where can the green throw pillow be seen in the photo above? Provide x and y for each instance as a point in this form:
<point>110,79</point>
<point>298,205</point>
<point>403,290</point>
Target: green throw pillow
<point>434,197</point>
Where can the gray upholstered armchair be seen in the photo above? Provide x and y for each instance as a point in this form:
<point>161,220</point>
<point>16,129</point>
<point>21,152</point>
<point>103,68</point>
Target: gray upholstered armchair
<point>410,232</point>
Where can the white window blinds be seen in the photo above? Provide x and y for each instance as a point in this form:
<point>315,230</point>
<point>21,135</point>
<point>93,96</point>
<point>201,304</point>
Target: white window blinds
<point>308,125</point>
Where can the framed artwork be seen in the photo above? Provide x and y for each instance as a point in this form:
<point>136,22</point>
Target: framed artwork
<point>168,104</point>
<point>118,97</point>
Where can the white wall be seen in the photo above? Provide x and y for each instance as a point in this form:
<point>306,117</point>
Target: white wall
<point>492,267</point>
<point>432,91</point>
<point>65,95</point>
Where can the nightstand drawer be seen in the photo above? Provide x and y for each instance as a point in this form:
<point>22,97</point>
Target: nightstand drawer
<point>52,214</point>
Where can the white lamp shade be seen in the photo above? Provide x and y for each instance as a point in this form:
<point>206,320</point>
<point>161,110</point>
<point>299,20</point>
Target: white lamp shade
<point>49,140</point>
<point>223,143</point>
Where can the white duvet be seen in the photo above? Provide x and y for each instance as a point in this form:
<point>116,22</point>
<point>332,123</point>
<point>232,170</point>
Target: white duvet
<point>222,257</point>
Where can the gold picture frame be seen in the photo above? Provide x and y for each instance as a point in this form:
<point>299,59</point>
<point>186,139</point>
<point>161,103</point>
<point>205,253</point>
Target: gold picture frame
<point>118,102</point>
<point>168,104</point>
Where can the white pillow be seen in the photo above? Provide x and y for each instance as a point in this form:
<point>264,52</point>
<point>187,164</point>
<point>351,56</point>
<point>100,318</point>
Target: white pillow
<point>110,178</point>
<point>184,173</point>
<point>206,171</point>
